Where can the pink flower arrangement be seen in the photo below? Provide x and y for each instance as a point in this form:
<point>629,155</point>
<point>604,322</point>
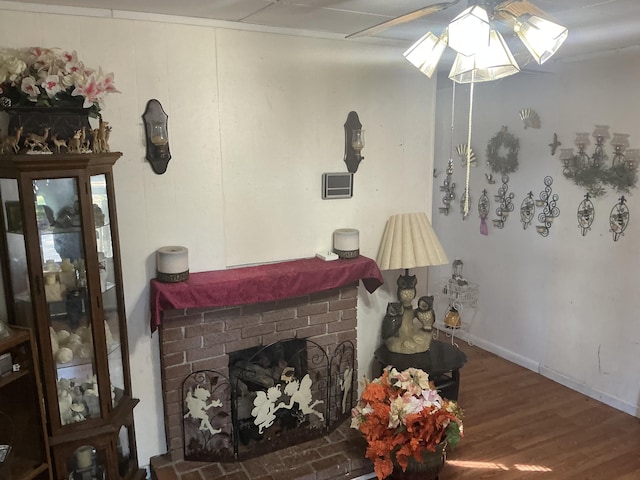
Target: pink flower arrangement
<point>402,415</point>
<point>50,77</point>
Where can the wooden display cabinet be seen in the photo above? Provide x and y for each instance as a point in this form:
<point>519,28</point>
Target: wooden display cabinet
<point>62,277</point>
<point>24,451</point>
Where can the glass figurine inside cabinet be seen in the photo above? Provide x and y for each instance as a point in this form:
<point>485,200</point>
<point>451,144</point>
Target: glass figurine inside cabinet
<point>65,283</point>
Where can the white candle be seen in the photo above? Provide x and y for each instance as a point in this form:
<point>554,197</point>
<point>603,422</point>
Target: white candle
<point>172,259</point>
<point>346,242</point>
<point>84,457</point>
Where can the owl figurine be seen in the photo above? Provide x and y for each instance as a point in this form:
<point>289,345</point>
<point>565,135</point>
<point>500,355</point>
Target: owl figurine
<point>407,289</point>
<point>392,320</point>
<point>425,313</point>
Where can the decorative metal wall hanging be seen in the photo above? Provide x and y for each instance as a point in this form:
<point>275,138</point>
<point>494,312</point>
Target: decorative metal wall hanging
<point>448,188</point>
<point>483,211</point>
<point>530,118</point>
<point>506,203</point>
<point>502,152</point>
<point>594,172</point>
<point>464,202</point>
<point>586,214</point>
<point>527,210</point>
<point>619,218</point>
<point>555,144</point>
<point>462,153</point>
<point>548,203</point>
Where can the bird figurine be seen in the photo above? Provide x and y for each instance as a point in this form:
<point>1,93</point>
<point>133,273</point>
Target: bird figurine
<point>555,144</point>
<point>425,313</point>
<point>407,289</point>
<point>392,320</point>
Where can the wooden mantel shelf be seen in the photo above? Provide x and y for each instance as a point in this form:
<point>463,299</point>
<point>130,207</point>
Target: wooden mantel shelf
<point>262,283</point>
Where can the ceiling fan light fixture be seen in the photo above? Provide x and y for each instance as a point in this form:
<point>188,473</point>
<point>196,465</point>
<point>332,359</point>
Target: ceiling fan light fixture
<point>426,52</point>
<point>492,63</point>
<point>469,31</point>
<point>541,37</point>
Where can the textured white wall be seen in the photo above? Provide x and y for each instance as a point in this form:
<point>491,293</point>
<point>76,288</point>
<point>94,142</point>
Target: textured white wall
<point>254,120</point>
<point>565,305</point>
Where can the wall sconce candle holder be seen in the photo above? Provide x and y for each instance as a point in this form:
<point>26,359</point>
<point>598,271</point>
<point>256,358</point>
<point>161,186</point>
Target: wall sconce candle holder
<point>548,203</point>
<point>353,142</point>
<point>448,188</point>
<point>619,218</point>
<point>483,211</point>
<point>155,124</point>
<point>527,210</point>
<point>506,203</point>
<point>586,214</point>
<point>593,172</point>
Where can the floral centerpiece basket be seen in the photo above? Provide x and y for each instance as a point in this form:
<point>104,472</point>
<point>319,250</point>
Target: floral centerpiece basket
<point>50,92</point>
<point>406,423</point>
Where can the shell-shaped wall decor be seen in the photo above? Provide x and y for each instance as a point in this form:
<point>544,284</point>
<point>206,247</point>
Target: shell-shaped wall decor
<point>530,118</point>
<point>462,153</point>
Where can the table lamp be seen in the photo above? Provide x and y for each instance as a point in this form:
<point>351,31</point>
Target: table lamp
<point>409,241</point>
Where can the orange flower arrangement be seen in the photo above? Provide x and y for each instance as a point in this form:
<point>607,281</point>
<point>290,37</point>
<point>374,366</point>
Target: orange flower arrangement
<point>401,415</point>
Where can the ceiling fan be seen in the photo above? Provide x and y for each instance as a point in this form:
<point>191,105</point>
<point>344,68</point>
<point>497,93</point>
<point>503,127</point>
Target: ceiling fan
<point>478,36</point>
<point>499,9</point>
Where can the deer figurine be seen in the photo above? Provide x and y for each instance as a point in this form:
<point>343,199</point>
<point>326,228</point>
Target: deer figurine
<point>11,142</point>
<point>58,144</point>
<point>75,144</point>
<point>37,142</point>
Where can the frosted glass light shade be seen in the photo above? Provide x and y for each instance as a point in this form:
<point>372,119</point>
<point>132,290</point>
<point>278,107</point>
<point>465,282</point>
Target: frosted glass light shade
<point>541,37</point>
<point>426,52</point>
<point>469,31</point>
<point>409,241</point>
<point>490,64</point>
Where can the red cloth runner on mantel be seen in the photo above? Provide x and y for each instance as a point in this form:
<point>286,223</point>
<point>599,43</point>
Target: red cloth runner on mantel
<point>261,283</point>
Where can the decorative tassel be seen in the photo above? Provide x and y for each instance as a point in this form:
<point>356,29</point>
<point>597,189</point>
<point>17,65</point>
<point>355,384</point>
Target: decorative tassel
<point>484,230</point>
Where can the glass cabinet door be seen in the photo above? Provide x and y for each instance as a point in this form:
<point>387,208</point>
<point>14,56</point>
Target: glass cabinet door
<point>108,285</point>
<point>62,253</point>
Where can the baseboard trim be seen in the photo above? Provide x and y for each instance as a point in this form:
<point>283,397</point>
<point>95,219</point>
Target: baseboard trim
<point>552,374</point>
<point>616,403</point>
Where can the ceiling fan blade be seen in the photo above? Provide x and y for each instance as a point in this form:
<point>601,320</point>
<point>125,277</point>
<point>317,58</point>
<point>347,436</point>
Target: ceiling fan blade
<point>436,7</point>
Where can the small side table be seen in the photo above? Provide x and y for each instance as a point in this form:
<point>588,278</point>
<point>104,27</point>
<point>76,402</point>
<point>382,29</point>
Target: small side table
<point>442,362</point>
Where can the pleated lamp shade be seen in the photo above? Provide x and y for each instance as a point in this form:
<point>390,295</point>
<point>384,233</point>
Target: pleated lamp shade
<point>409,241</point>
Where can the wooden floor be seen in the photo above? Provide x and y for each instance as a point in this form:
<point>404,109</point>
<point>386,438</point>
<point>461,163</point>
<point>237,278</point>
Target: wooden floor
<point>521,425</point>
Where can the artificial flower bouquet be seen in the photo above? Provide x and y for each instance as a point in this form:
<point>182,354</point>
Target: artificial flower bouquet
<point>401,415</point>
<point>50,77</point>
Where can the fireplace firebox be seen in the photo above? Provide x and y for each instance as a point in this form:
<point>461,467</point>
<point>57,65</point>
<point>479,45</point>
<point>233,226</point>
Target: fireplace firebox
<point>275,396</point>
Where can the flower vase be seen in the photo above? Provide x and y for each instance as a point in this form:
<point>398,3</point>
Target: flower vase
<point>427,469</point>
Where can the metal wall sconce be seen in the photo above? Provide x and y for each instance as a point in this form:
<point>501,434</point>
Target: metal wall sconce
<point>155,125</point>
<point>448,187</point>
<point>548,202</point>
<point>527,210</point>
<point>586,214</point>
<point>353,142</point>
<point>483,211</point>
<point>619,218</point>
<point>506,203</point>
<point>594,172</point>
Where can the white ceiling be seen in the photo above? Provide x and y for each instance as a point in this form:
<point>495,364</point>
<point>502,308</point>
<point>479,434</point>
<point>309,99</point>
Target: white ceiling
<point>595,26</point>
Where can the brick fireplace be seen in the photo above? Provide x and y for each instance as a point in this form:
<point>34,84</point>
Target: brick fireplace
<point>202,339</point>
<point>199,337</point>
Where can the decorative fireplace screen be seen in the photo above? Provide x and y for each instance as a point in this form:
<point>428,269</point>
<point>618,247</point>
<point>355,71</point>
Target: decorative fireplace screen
<point>275,396</point>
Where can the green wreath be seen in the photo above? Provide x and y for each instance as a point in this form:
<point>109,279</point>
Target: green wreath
<point>502,152</point>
